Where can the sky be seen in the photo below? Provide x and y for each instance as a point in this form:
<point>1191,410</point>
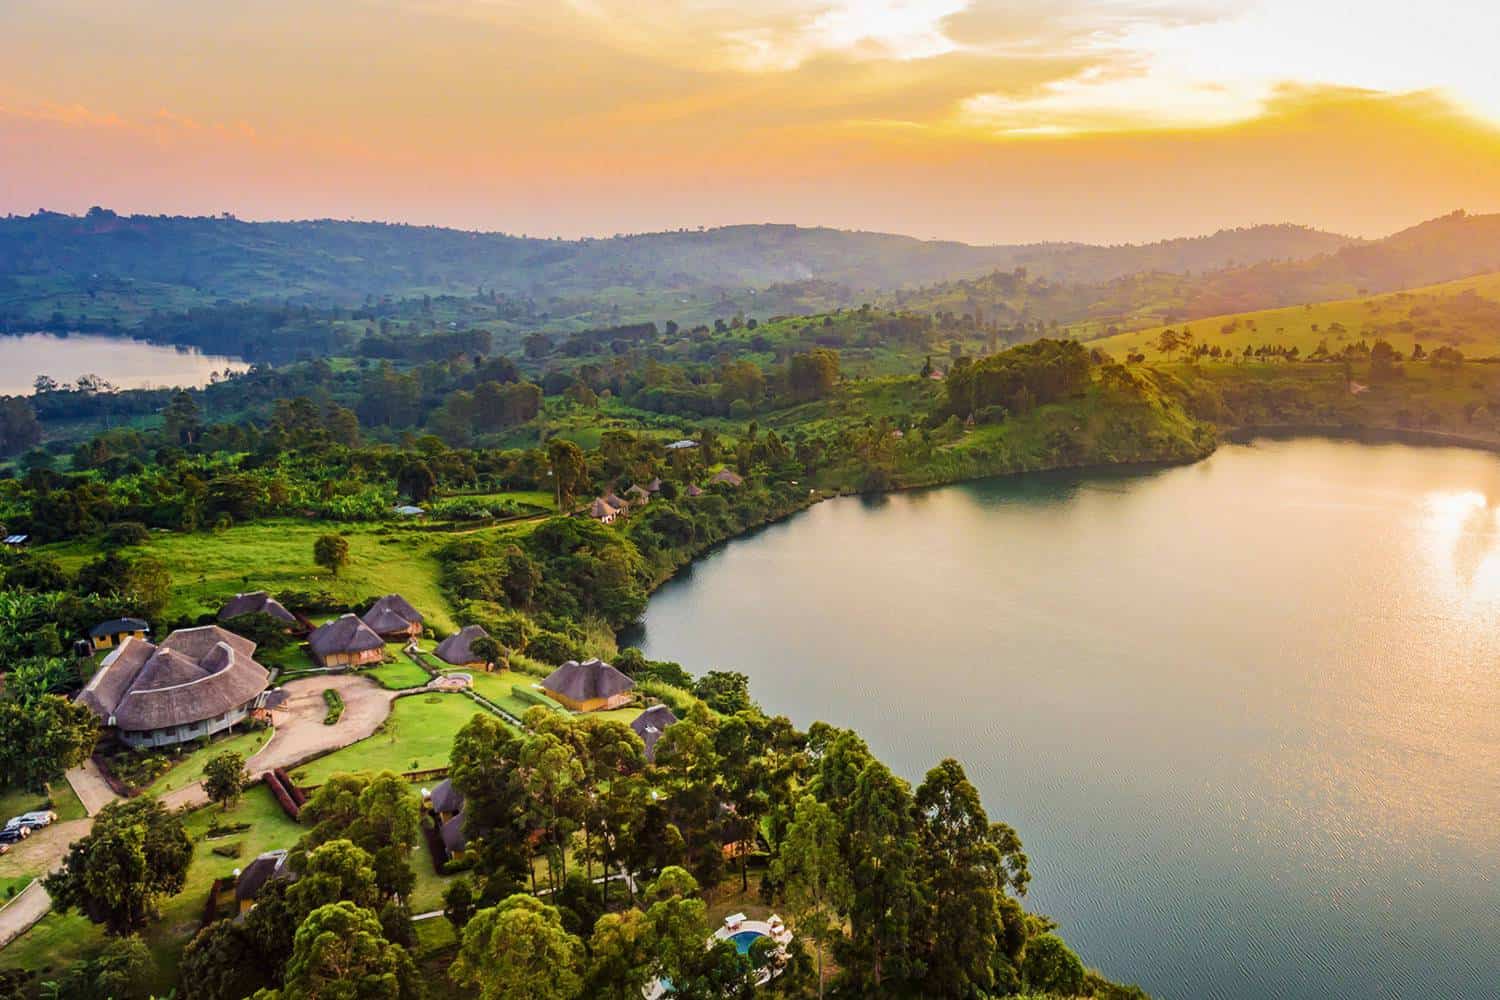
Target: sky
<point>994,121</point>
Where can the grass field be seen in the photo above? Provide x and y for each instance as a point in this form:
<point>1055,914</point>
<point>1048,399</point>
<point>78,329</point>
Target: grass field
<point>399,675</point>
<point>64,802</point>
<point>189,768</point>
<point>417,736</point>
<point>497,687</point>
<point>208,568</point>
<point>1463,314</point>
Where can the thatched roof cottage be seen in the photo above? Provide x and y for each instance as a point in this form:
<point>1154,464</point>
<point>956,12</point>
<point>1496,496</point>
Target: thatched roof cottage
<point>458,648</point>
<point>197,682</point>
<point>266,868</point>
<point>649,726</point>
<point>589,686</point>
<point>393,618</point>
<point>345,642</point>
<point>257,603</point>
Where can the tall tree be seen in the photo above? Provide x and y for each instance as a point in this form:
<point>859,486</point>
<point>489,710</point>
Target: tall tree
<point>340,953</point>
<point>41,736</point>
<point>224,778</point>
<point>965,860</point>
<point>622,956</point>
<point>136,852</point>
<point>570,474</point>
<point>519,950</point>
<point>885,882</point>
<point>813,872</point>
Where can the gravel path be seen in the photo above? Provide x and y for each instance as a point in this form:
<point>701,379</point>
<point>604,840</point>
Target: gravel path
<point>16,917</point>
<point>300,732</point>
<point>91,788</point>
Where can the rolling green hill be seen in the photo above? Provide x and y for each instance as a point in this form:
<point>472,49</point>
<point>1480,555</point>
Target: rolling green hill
<point>1464,314</point>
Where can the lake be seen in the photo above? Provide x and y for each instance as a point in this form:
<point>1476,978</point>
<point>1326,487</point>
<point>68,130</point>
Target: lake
<point>1245,714</point>
<point>128,364</point>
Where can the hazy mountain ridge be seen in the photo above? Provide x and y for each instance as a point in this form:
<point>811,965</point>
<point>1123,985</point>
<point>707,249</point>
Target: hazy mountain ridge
<point>181,260</point>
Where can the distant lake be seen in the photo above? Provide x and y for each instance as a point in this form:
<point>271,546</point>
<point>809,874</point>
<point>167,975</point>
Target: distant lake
<point>1245,714</point>
<point>128,364</point>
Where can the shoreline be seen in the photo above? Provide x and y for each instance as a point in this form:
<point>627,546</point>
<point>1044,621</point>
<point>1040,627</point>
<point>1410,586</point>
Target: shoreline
<point>1245,434</point>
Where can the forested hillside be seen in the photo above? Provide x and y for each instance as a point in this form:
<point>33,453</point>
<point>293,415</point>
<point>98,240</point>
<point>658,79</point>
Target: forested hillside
<point>1454,246</point>
<point>105,270</point>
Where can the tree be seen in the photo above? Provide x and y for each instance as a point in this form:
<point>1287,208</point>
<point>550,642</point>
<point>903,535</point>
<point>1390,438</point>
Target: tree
<point>141,585</point>
<point>219,963</point>
<point>224,778</point>
<point>1051,967</point>
<point>136,853</point>
<point>458,904</point>
<point>19,428</point>
<point>489,650</point>
<point>968,863</point>
<point>570,472</point>
<point>813,872</point>
<point>724,691</point>
<point>416,480</point>
<point>331,552</point>
<point>519,950</point>
<point>374,812</point>
<point>1168,342</point>
<point>41,736</point>
<point>337,870</point>
<point>340,954</point>
<point>124,968</point>
<point>180,419</point>
<point>622,956</point>
<point>885,882</point>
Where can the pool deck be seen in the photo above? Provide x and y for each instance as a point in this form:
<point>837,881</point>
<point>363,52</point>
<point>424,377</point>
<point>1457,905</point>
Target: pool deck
<point>778,933</point>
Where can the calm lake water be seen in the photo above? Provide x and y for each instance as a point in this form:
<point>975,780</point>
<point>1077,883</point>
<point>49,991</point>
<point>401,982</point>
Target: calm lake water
<point>1245,714</point>
<point>128,364</point>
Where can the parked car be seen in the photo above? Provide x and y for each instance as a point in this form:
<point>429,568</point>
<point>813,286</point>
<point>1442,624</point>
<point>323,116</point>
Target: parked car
<point>11,834</point>
<point>34,820</point>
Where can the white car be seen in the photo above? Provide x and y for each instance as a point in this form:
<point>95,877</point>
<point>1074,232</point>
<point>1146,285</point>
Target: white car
<point>32,820</point>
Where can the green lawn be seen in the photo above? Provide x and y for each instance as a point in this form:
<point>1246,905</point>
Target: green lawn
<point>401,674</point>
<point>189,768</point>
<point>417,736</point>
<point>626,715</point>
<point>275,555</point>
<point>64,802</point>
<point>496,687</point>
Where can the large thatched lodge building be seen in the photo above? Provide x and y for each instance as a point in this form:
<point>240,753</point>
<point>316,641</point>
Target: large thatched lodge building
<point>196,682</point>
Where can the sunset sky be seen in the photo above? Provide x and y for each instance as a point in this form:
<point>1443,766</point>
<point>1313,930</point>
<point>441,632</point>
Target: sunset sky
<point>982,120</point>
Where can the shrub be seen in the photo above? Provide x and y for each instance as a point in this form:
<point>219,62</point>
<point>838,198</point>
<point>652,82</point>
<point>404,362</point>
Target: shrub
<point>127,533</point>
<point>531,696</point>
<point>224,829</point>
<point>552,647</point>
<point>228,850</point>
<point>335,703</point>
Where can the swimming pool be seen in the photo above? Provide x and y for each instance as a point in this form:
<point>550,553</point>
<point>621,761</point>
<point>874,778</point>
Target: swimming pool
<point>744,939</point>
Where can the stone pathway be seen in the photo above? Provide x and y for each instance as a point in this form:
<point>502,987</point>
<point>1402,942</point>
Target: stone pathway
<point>16,917</point>
<point>89,784</point>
